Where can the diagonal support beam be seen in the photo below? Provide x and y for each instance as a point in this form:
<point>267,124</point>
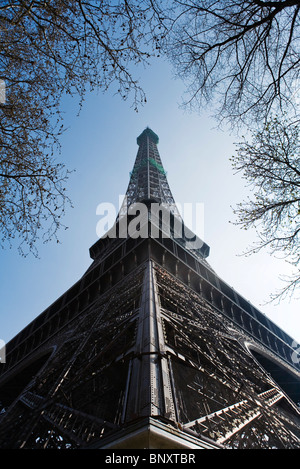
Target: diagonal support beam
<point>241,414</point>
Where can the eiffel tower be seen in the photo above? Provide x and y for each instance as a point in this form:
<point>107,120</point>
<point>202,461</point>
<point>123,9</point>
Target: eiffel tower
<point>150,348</point>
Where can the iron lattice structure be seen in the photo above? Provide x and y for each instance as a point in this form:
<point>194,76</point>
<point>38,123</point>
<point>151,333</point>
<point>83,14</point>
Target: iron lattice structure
<point>150,349</point>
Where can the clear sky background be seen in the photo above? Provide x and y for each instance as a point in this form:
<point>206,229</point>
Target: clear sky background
<point>101,146</point>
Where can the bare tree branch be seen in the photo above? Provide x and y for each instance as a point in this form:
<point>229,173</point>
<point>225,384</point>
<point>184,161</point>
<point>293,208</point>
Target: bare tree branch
<point>271,165</point>
<point>242,57</point>
<point>49,49</point>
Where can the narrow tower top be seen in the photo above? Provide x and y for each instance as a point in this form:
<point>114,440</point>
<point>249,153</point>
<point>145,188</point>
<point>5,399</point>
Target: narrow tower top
<point>148,179</point>
<point>147,133</point>
<point>148,185</point>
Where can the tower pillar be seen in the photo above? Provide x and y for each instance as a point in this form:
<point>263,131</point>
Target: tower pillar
<point>150,391</point>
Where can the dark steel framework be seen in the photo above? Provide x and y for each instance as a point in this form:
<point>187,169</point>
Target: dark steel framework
<point>150,334</point>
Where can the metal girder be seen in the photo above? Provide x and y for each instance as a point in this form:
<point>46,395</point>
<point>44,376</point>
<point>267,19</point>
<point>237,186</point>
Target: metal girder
<point>238,415</point>
<point>150,388</point>
<point>78,396</point>
<point>220,390</point>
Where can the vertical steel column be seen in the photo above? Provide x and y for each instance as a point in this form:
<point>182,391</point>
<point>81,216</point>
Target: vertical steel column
<point>150,392</point>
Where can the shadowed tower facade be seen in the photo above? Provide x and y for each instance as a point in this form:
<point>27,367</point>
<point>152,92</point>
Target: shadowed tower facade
<point>150,348</point>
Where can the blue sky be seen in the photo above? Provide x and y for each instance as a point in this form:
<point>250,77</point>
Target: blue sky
<point>101,145</point>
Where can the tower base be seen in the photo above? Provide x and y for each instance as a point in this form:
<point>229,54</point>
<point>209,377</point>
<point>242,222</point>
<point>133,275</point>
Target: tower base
<point>149,433</point>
